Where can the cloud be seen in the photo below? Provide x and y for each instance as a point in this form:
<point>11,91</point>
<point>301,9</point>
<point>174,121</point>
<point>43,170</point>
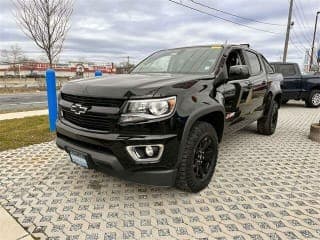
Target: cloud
<point>108,30</point>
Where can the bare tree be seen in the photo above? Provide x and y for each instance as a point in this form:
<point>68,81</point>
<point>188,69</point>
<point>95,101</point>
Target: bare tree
<point>46,22</point>
<point>13,57</point>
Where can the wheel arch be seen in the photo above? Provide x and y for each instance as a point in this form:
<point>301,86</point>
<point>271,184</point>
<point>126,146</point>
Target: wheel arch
<point>216,119</point>
<point>272,96</point>
<point>317,87</point>
<point>278,98</point>
<point>310,95</point>
<point>215,115</point>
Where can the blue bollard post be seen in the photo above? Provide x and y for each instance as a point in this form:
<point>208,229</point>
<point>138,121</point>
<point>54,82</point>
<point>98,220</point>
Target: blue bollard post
<point>52,98</point>
<point>98,73</point>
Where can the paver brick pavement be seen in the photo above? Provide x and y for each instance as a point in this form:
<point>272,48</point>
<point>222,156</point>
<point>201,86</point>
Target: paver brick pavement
<point>264,187</point>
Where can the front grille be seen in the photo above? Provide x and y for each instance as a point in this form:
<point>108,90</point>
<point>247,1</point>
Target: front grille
<point>92,101</point>
<point>105,121</point>
<point>92,121</point>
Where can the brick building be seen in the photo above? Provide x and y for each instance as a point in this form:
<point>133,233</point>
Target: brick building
<point>71,69</point>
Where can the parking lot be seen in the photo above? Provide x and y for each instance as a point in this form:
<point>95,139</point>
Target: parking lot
<point>265,187</point>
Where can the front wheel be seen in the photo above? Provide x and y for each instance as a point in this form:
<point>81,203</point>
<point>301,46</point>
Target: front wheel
<point>268,123</point>
<point>313,99</point>
<point>199,158</point>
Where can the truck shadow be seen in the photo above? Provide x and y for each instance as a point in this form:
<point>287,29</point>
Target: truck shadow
<point>293,104</point>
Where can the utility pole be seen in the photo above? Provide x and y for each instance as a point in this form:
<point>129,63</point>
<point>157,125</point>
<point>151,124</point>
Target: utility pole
<point>285,51</point>
<point>314,38</point>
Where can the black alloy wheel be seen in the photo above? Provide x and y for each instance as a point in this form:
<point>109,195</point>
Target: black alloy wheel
<point>199,158</point>
<point>204,153</point>
<point>274,117</point>
<point>268,123</point>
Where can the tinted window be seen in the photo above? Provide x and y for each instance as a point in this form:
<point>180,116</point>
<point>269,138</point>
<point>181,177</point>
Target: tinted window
<point>286,69</point>
<point>269,69</point>
<point>254,63</point>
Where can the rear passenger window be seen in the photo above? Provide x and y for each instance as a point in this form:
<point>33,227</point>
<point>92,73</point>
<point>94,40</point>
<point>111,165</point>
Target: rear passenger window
<point>286,69</point>
<point>254,63</point>
<point>269,69</point>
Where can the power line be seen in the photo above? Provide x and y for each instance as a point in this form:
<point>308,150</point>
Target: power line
<point>298,39</point>
<point>303,29</point>
<point>221,18</point>
<point>313,40</point>
<point>297,47</point>
<point>302,32</point>
<point>301,9</point>
<point>300,17</point>
<point>234,15</point>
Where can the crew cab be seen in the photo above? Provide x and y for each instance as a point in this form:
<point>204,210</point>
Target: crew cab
<point>162,123</point>
<point>296,86</point>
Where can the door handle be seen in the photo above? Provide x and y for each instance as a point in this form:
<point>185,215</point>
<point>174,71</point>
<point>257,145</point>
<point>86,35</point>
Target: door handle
<point>250,84</point>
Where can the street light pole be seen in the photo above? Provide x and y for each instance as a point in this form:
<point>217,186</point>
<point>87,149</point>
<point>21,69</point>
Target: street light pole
<point>285,51</point>
<point>314,38</point>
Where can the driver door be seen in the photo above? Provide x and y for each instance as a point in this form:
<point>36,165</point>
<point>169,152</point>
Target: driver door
<point>237,94</point>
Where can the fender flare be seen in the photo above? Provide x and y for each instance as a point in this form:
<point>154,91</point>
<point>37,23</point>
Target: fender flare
<point>274,94</point>
<point>274,91</point>
<point>196,115</point>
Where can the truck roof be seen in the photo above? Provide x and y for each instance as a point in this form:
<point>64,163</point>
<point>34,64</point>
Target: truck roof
<point>244,45</point>
<point>283,63</point>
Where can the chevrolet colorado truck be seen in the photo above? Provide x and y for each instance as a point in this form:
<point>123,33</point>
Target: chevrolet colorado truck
<point>162,123</point>
<point>297,86</point>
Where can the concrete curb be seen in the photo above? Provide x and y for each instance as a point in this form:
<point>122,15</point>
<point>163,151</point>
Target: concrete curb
<point>10,229</point>
<point>8,116</point>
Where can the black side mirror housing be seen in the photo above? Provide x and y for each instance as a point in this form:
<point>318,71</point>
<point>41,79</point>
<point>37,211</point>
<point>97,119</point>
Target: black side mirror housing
<point>238,72</point>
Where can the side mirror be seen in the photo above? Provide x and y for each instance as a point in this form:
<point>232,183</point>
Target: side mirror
<point>238,72</point>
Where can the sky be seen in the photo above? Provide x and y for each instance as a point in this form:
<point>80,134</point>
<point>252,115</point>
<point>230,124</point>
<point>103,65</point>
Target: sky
<point>105,30</point>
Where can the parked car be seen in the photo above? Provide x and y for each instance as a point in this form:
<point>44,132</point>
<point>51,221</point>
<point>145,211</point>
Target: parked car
<point>35,75</point>
<point>297,86</point>
<point>162,123</point>
<point>10,76</point>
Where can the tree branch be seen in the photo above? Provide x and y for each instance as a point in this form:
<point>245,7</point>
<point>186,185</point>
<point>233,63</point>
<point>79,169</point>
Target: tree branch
<point>46,22</point>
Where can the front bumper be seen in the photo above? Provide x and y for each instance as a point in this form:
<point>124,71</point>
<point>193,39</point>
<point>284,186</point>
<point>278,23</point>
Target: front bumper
<point>108,153</point>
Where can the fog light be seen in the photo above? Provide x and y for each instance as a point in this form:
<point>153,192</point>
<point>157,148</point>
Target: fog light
<point>146,153</point>
<point>149,151</point>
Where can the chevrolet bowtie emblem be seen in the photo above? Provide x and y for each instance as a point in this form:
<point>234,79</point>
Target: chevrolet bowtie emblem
<point>78,109</point>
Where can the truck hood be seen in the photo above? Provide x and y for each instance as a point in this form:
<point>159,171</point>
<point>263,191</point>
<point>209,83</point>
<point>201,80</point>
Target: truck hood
<point>128,85</point>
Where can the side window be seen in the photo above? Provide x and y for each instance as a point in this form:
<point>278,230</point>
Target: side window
<point>287,70</point>
<point>254,63</point>
<point>268,67</point>
<point>234,58</point>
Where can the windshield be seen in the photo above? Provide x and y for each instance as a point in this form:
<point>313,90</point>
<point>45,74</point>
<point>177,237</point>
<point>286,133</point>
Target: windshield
<point>184,60</point>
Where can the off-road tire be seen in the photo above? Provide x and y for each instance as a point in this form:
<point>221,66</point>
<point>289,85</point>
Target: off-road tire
<point>268,123</point>
<point>186,179</point>
<point>311,102</point>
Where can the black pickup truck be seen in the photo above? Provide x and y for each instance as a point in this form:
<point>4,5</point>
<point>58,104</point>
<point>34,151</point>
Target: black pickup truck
<point>296,86</point>
<point>162,123</point>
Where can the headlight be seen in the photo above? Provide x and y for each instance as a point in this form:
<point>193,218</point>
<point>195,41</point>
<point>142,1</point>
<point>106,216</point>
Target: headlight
<point>143,110</point>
